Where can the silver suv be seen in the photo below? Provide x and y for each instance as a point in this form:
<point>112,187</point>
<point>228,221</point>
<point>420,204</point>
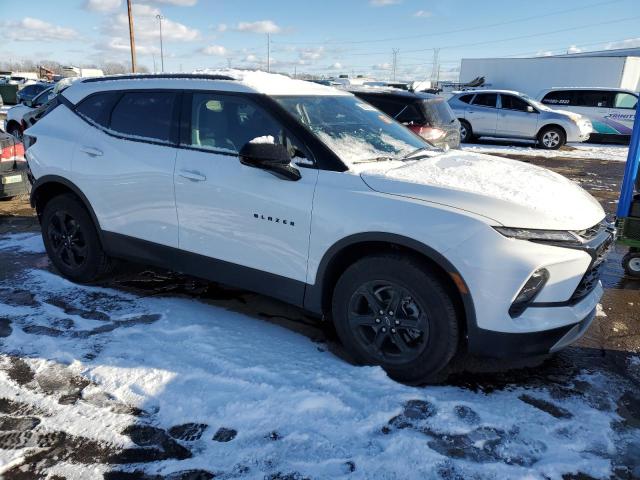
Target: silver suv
<point>510,114</point>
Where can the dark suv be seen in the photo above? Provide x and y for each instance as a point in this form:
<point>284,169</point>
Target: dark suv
<point>426,114</point>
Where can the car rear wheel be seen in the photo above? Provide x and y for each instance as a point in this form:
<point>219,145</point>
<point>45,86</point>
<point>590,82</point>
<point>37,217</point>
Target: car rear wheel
<point>71,240</point>
<point>466,132</point>
<point>551,138</point>
<point>631,264</point>
<point>392,311</point>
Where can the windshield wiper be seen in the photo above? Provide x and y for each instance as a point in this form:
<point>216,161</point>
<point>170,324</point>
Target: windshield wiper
<point>377,159</point>
<point>421,149</point>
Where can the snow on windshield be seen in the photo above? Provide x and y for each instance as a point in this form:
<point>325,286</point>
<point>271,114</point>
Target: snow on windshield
<point>356,131</point>
<point>353,149</point>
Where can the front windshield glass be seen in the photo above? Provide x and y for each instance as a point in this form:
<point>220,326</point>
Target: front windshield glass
<point>535,103</point>
<point>356,131</point>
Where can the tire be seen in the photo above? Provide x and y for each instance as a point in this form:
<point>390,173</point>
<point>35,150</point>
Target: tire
<point>631,264</point>
<point>425,324</point>
<point>551,138</point>
<point>466,132</point>
<point>71,240</point>
<point>16,131</point>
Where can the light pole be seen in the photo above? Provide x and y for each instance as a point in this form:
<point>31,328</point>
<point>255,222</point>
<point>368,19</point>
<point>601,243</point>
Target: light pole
<point>160,18</point>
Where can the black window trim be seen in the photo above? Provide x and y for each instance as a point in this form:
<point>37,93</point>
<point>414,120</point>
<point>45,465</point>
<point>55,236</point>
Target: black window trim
<point>320,154</point>
<point>186,117</point>
<point>173,133</point>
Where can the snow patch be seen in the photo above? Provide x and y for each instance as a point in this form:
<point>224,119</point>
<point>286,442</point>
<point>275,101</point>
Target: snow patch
<point>22,242</point>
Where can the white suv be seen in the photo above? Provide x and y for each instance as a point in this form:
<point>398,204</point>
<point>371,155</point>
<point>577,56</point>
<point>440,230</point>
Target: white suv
<point>309,195</point>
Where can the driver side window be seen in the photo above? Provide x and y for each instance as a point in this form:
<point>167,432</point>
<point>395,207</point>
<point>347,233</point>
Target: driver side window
<point>225,123</point>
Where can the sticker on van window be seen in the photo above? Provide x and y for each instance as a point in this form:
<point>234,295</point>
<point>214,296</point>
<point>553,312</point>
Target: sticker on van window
<point>214,105</point>
<point>367,107</point>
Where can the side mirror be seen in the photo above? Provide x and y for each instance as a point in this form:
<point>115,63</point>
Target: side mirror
<point>270,157</point>
<point>530,109</point>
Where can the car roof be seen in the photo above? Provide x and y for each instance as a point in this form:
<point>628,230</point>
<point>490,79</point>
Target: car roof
<point>599,89</point>
<point>226,80</point>
<point>391,91</point>
<point>487,90</point>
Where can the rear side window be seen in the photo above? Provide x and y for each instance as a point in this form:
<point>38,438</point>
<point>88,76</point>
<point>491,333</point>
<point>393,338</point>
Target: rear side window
<point>144,114</point>
<point>384,104</point>
<point>97,108</point>
<point>486,100</point>
<point>466,98</point>
<point>626,100</point>
<point>561,97</point>
<point>594,98</point>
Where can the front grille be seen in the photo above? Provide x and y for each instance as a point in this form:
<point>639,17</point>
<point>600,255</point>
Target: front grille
<point>590,279</point>
<point>590,233</point>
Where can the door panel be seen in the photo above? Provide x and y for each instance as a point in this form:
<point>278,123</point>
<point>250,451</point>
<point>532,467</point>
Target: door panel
<point>233,212</point>
<point>129,183</point>
<point>483,114</point>
<point>514,120</point>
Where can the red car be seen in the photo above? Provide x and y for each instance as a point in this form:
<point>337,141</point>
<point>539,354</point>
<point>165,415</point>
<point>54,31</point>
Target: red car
<point>13,167</point>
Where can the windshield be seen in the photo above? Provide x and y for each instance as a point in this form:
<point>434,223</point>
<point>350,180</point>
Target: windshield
<point>356,131</point>
<point>535,103</point>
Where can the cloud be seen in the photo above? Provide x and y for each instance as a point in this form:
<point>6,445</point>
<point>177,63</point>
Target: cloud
<point>251,58</point>
<point>178,3</point>
<point>217,50</point>
<point>383,3</point>
<point>32,29</point>
<point>222,27</point>
<point>147,28</point>
<point>628,43</point>
<point>381,66</point>
<point>423,14</point>
<point>121,45</point>
<point>311,53</point>
<point>335,66</point>
<point>102,6</point>
<point>573,49</point>
<point>261,26</point>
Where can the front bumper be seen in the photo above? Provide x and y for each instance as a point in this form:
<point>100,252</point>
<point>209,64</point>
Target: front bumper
<point>502,345</point>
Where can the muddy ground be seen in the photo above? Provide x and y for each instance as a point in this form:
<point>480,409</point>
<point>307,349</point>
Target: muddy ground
<point>607,347</point>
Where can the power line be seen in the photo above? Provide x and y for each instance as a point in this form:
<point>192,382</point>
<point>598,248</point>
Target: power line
<point>459,30</point>
<point>488,42</point>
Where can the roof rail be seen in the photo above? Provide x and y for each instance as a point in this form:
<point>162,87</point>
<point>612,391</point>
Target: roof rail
<point>196,76</point>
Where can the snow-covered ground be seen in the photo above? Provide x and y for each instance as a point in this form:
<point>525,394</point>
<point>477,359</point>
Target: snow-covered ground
<point>573,150</point>
<point>168,384</point>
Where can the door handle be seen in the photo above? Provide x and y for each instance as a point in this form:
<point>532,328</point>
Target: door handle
<point>91,151</point>
<point>193,176</point>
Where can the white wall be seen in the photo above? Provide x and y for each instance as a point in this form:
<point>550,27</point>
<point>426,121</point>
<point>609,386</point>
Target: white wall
<point>631,74</point>
<point>532,75</point>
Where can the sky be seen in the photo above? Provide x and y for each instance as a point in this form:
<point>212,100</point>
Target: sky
<point>327,37</point>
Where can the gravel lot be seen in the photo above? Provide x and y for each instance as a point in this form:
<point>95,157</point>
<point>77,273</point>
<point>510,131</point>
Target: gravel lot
<point>155,375</point>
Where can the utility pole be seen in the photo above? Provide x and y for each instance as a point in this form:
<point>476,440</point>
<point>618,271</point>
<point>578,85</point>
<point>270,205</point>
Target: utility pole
<point>153,57</point>
<point>268,52</point>
<point>131,39</point>
<point>435,71</point>
<point>160,18</point>
<point>394,63</point>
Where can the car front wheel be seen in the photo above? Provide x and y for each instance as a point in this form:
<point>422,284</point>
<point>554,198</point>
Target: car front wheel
<point>392,311</point>
<point>71,240</point>
<point>551,138</point>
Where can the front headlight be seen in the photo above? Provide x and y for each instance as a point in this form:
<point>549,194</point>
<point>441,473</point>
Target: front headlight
<point>540,235</point>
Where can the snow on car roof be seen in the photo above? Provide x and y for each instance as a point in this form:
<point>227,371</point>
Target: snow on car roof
<point>250,81</point>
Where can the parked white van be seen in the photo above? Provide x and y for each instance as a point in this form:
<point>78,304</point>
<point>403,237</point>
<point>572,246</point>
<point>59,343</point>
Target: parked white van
<point>611,110</point>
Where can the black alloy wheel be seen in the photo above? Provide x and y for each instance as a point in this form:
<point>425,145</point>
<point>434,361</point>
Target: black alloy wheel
<point>67,239</point>
<point>388,322</point>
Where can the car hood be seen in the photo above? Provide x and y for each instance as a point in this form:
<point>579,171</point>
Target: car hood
<point>508,192</point>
